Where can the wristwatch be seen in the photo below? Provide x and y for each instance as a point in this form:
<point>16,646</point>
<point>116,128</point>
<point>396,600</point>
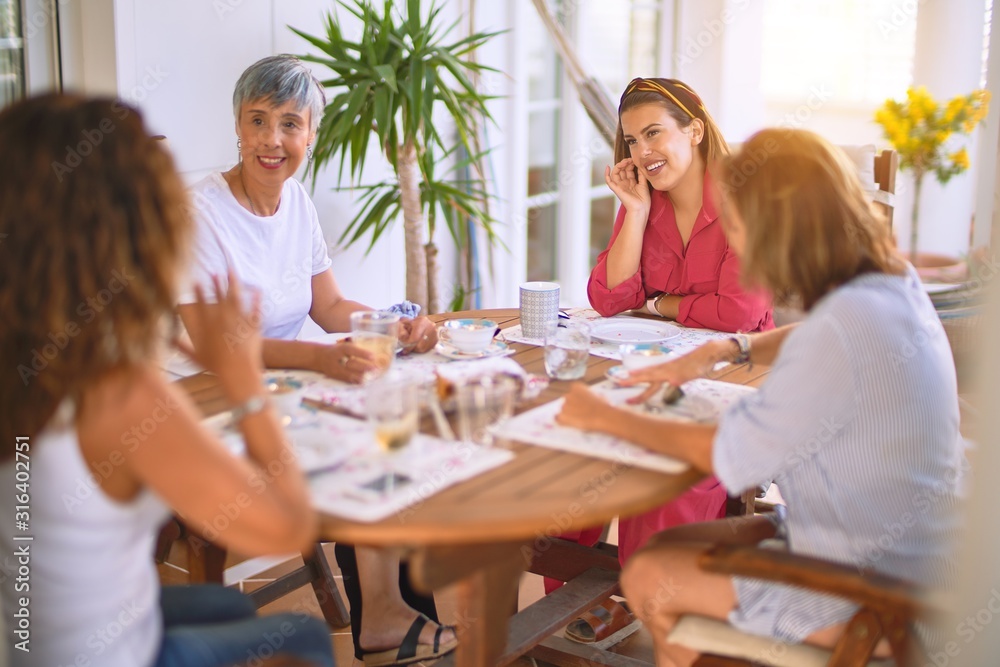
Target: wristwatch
<point>743,343</point>
<point>653,304</point>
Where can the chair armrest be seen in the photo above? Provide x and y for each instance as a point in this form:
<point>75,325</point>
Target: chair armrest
<point>870,589</point>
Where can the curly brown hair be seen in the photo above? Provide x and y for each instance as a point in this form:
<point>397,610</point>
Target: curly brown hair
<point>94,225</point>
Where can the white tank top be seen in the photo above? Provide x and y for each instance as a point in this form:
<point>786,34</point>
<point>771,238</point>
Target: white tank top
<point>92,587</point>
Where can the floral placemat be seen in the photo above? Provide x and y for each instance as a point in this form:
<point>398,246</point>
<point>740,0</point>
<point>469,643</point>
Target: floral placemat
<point>349,476</point>
<point>704,402</point>
<point>688,339</point>
<point>372,486</point>
<point>424,368</point>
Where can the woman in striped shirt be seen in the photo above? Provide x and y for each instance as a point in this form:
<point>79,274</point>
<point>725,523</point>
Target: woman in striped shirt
<point>857,422</point>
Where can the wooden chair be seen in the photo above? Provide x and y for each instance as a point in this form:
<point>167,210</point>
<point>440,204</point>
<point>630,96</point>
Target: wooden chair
<point>206,564</point>
<point>886,166</point>
<point>888,609</point>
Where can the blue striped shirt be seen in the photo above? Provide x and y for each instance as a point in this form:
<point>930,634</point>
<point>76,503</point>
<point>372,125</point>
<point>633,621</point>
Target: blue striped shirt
<point>858,424</point>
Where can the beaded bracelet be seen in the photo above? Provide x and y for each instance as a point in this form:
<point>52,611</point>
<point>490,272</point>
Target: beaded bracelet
<point>251,406</point>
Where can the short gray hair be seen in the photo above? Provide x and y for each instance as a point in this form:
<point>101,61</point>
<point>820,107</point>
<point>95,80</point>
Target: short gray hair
<point>279,79</point>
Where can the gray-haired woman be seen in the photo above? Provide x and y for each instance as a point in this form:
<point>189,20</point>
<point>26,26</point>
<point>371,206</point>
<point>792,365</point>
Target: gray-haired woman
<point>257,221</point>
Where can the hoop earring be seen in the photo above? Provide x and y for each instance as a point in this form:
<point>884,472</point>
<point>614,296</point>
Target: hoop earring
<point>239,148</point>
<point>309,152</point>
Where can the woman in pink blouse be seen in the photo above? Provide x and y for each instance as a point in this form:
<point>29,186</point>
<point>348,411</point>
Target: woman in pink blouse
<point>668,256</point>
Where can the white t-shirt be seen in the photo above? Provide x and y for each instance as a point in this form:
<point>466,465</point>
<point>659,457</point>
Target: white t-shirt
<point>276,255</point>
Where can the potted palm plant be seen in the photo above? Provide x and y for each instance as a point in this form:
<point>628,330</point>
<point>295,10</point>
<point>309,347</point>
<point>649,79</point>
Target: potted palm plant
<point>921,131</point>
<point>388,84</point>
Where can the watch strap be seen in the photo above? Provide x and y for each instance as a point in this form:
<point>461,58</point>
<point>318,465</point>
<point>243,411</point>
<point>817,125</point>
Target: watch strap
<point>743,343</point>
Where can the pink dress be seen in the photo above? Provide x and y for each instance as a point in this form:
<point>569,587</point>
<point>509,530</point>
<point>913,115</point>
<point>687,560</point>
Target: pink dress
<point>706,273</point>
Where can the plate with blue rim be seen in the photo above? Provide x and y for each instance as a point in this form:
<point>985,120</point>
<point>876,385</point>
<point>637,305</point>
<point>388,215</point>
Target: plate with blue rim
<point>496,349</point>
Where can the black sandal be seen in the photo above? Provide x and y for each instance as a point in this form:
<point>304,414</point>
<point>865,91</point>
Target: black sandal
<point>410,649</point>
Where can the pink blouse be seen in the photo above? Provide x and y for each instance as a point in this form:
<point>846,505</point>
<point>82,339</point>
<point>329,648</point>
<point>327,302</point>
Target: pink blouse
<point>706,273</point>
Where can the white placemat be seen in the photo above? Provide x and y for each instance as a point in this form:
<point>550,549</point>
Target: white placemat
<point>688,339</point>
<point>422,368</point>
<point>704,401</point>
<point>321,440</point>
<point>346,468</point>
<point>356,490</point>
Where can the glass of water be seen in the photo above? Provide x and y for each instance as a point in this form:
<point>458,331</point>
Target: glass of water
<point>567,346</point>
<point>484,404</point>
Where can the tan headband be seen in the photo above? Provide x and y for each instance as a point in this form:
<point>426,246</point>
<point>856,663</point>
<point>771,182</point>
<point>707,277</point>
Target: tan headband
<point>651,86</point>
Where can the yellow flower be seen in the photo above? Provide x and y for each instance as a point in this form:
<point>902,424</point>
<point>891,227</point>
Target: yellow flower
<point>918,127</point>
<point>960,159</point>
<point>952,110</point>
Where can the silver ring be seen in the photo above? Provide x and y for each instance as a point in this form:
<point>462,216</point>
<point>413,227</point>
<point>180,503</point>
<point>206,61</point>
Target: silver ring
<point>427,337</point>
<point>344,360</point>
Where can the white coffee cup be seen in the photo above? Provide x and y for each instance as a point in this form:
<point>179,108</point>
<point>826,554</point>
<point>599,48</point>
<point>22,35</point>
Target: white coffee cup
<point>539,306</point>
<point>468,335</point>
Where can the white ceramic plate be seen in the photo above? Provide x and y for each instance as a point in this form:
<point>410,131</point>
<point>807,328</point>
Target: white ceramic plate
<point>622,330</point>
<point>496,349</point>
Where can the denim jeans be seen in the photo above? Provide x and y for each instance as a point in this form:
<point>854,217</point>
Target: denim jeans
<point>213,626</point>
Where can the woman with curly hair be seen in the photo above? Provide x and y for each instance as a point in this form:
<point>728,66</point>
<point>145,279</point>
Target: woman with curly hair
<point>95,231</point>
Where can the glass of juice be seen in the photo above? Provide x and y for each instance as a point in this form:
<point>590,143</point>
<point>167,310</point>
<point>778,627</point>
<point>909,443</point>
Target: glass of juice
<point>394,414</point>
<point>378,332</point>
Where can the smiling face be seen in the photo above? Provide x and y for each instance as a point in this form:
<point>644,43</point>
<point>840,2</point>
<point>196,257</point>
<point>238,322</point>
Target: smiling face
<point>274,140</point>
<point>659,146</point>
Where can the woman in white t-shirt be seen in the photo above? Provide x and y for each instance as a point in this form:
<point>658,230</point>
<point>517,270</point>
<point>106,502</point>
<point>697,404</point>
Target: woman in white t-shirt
<point>257,222</point>
<point>98,448</point>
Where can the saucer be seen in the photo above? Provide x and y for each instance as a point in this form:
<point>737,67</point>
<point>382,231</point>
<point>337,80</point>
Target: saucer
<point>616,373</point>
<point>496,349</point>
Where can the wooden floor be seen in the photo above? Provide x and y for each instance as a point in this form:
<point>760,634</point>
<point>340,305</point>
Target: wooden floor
<point>639,645</point>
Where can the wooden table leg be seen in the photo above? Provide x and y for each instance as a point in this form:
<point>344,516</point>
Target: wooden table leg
<point>206,562</point>
<point>487,579</point>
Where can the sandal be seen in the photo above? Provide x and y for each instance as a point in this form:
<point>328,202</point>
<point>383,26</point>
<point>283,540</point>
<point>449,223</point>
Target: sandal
<point>410,649</point>
<point>603,626</point>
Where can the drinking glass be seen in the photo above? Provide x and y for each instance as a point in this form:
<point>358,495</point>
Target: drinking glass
<point>567,346</point>
<point>393,412</point>
<point>376,331</point>
<point>483,404</point>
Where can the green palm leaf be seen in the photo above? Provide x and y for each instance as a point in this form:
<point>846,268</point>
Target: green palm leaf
<point>390,84</point>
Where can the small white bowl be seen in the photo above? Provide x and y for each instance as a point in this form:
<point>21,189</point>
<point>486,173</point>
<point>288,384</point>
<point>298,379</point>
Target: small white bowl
<point>641,355</point>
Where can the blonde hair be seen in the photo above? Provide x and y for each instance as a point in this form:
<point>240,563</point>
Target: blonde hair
<point>683,105</point>
<point>93,228</point>
<point>809,225</point>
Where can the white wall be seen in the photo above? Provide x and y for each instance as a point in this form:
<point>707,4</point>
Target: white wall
<point>717,51</point>
<point>179,61</point>
<point>948,61</point>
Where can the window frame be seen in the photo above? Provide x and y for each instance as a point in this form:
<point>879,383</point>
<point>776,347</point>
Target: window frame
<point>573,166</point>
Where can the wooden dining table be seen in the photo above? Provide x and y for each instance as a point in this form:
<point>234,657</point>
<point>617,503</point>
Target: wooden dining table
<point>482,534</point>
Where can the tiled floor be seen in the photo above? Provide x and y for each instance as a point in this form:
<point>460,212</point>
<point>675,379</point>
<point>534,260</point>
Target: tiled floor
<point>638,645</point>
